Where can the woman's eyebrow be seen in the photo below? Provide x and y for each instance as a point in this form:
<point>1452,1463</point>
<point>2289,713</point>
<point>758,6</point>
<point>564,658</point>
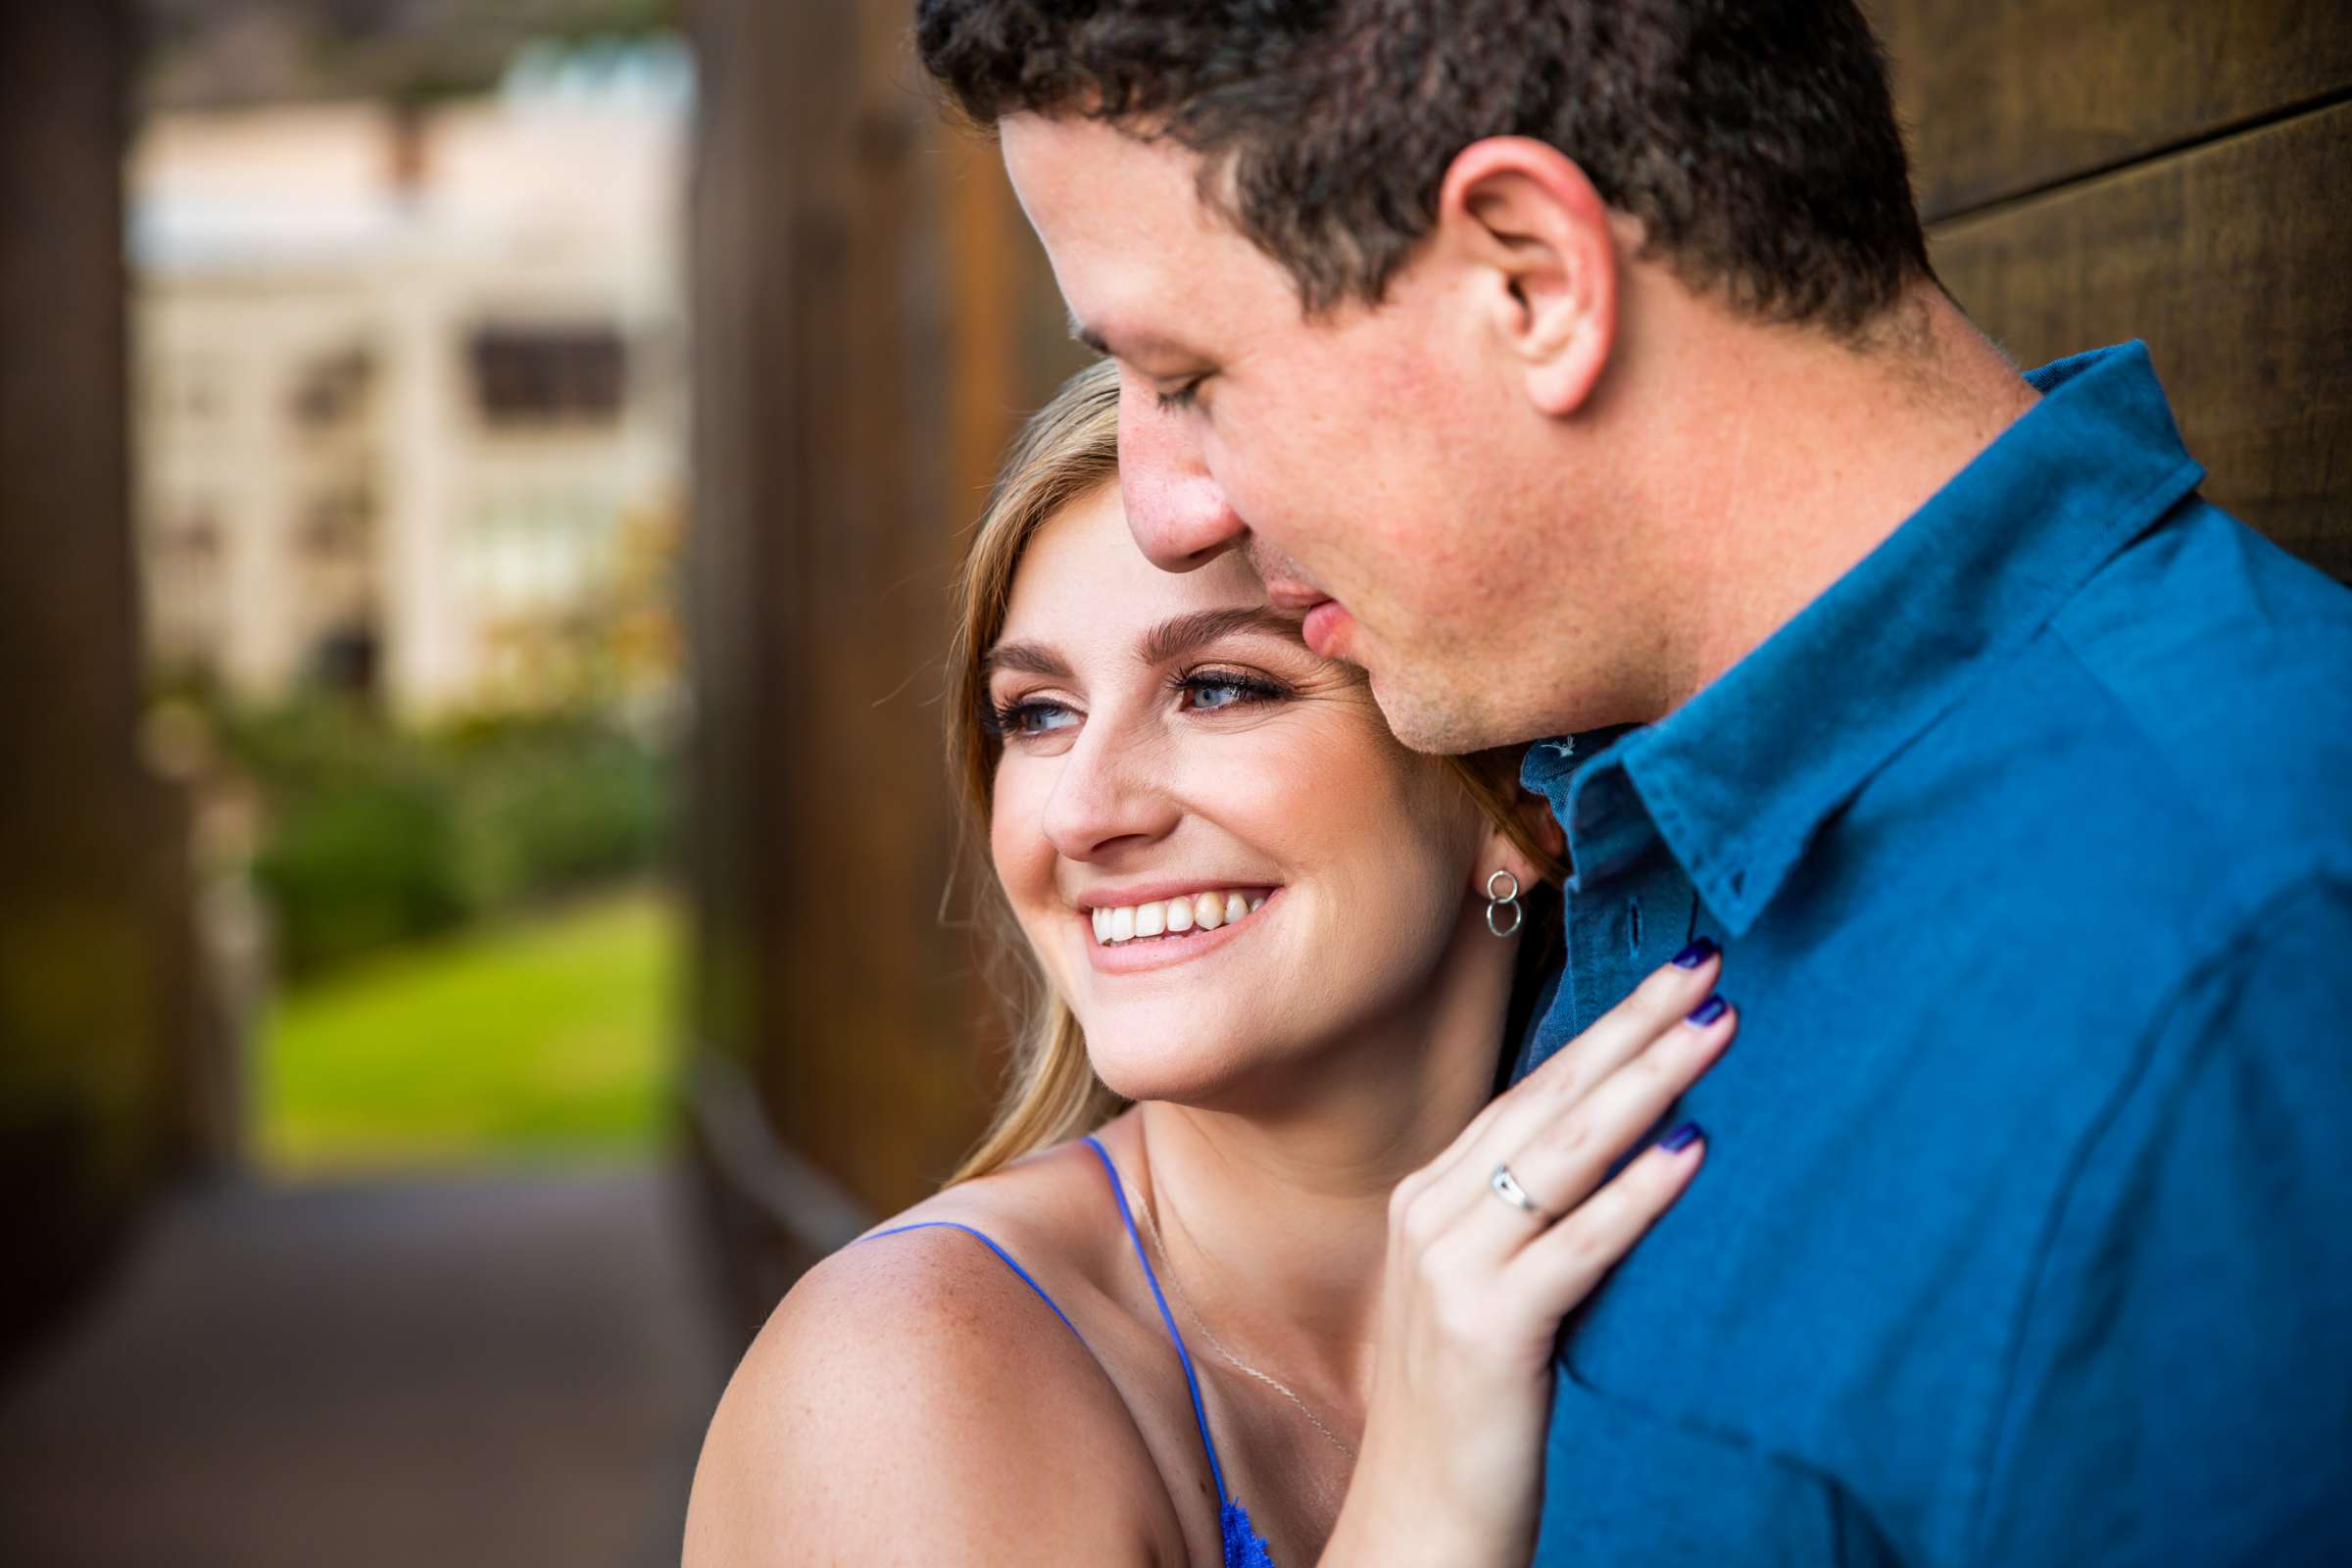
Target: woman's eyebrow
<point>1181,634</point>
<point>1033,659</point>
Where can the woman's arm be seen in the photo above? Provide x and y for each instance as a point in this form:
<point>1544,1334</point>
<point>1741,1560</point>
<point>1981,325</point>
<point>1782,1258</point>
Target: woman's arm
<point>911,1400</point>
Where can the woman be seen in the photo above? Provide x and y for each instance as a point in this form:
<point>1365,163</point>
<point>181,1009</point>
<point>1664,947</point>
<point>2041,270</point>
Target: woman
<point>1294,1297</point>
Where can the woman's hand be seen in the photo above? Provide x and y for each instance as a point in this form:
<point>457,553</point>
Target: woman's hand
<point>1475,1286</point>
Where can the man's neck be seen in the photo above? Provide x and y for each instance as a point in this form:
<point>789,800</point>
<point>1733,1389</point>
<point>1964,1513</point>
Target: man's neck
<point>1801,456</point>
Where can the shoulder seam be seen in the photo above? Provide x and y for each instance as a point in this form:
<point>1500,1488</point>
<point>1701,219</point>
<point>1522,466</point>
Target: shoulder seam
<point>2236,935</point>
<point>2247,899</point>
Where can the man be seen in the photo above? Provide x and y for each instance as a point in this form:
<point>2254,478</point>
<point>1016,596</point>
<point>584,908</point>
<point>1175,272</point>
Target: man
<point>1578,368</point>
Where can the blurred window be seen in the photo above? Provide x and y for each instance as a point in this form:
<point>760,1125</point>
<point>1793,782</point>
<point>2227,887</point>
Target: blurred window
<point>185,587</point>
<point>345,659</point>
<point>335,523</point>
<point>537,374</point>
<point>330,389</point>
<point>197,534</point>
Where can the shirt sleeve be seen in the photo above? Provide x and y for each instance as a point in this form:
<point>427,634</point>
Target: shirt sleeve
<point>2181,1387</point>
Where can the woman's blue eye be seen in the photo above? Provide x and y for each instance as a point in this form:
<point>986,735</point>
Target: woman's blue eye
<point>1031,719</point>
<point>1209,694</point>
<point>1219,696</point>
<point>1040,719</point>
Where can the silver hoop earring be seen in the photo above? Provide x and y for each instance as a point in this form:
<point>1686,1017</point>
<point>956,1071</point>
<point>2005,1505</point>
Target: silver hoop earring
<point>1497,903</point>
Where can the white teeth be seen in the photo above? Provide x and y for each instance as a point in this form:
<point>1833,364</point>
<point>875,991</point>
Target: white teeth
<point>1199,911</point>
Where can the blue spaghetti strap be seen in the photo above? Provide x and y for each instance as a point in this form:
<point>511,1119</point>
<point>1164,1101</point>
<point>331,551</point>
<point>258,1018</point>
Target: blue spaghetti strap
<point>1183,1358</point>
<point>1243,1546</point>
<point>990,1242</point>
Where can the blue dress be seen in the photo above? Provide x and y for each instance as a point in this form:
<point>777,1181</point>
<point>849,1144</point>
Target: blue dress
<point>1243,1546</point>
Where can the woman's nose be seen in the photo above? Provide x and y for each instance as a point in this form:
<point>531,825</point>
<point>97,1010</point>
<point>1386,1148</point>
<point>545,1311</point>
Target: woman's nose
<point>1177,512</point>
<point>1107,796</point>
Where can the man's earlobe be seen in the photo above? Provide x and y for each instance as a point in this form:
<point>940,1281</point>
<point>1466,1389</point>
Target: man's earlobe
<point>1527,217</point>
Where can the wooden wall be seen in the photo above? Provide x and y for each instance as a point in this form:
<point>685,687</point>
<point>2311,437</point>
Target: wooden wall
<point>874,317</point>
<point>873,320</point>
<point>2179,170</point>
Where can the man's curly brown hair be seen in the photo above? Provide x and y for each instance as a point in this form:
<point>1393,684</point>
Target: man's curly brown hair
<point>1754,140</point>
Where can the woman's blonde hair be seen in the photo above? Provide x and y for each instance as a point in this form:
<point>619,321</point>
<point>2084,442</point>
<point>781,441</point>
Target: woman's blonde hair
<point>1068,449</point>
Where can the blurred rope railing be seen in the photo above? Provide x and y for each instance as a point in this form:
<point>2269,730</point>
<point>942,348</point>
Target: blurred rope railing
<point>745,1154</point>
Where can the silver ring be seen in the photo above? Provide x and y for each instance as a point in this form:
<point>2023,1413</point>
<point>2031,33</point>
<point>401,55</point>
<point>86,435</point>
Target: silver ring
<point>1506,1187</point>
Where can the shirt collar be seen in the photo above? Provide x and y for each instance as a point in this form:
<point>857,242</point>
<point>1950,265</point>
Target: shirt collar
<point>1737,780</point>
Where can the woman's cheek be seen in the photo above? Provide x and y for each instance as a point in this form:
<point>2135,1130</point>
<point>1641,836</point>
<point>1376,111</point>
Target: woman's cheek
<point>1016,842</point>
<point>1295,759</point>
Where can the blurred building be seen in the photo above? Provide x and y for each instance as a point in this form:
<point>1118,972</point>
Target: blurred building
<point>408,380</point>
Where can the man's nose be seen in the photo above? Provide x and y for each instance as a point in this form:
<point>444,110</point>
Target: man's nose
<point>1177,512</point>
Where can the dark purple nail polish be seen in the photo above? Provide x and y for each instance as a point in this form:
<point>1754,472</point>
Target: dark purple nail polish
<point>1681,1138</point>
<point>1696,954</point>
<point>1709,1011</point>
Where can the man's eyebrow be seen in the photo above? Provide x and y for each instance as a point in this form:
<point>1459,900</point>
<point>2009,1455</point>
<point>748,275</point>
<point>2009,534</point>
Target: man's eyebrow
<point>1181,634</point>
<point>1145,343</point>
<point>1033,658</point>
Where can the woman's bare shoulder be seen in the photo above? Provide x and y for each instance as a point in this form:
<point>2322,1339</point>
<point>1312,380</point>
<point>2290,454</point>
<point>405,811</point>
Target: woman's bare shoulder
<point>914,1398</point>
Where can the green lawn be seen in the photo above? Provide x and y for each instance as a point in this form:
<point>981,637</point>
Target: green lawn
<point>538,1038</point>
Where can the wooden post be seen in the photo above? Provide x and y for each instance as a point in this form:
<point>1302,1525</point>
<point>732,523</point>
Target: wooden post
<point>88,1066</point>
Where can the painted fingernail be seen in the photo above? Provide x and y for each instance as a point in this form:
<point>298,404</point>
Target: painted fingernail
<point>1707,1011</point>
<point>1681,1138</point>
<point>1696,954</point>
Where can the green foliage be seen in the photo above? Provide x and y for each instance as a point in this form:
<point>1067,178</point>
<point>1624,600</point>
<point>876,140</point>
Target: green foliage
<point>376,835</point>
<point>554,804</point>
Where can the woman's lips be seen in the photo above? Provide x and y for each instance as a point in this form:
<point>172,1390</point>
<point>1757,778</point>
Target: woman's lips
<point>1326,628</point>
<point>1158,953</point>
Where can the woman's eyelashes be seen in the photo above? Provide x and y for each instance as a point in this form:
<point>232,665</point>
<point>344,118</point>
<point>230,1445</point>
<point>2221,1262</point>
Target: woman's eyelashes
<point>1028,719</point>
<point>1208,693</point>
<point>1212,690</point>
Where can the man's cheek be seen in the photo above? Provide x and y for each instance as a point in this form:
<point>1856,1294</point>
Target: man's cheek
<point>1275,486</point>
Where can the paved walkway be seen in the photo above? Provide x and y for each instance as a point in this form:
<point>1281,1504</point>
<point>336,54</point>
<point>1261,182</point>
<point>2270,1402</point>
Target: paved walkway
<point>512,1371</point>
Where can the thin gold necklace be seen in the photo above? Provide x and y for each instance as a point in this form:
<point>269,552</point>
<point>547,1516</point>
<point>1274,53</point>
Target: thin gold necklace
<point>1169,1267</point>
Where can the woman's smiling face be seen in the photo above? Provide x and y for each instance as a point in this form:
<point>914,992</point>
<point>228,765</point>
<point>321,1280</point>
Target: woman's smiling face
<point>1222,859</point>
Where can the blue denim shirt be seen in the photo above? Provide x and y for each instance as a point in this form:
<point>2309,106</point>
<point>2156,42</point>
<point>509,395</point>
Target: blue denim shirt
<point>2026,1231</point>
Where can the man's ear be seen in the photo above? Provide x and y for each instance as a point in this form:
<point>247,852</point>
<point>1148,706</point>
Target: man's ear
<point>1526,220</point>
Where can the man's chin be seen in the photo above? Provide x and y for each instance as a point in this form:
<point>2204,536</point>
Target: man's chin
<point>1438,724</point>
